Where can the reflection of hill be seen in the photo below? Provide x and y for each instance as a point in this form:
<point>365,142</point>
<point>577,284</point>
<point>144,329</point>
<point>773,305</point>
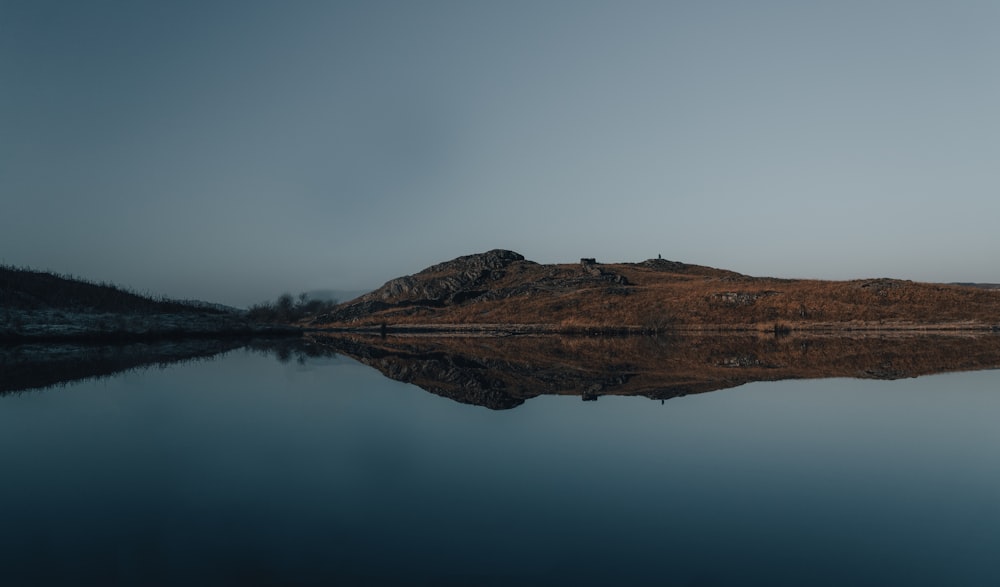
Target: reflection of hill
<point>30,366</point>
<point>501,373</point>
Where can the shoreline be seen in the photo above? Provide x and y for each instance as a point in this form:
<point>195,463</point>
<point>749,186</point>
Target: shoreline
<point>626,330</point>
<point>86,337</point>
<point>493,330</point>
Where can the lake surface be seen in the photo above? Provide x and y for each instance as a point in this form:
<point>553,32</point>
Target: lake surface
<point>246,470</point>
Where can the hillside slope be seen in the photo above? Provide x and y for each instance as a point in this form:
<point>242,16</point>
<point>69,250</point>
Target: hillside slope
<point>35,305</point>
<point>501,289</point>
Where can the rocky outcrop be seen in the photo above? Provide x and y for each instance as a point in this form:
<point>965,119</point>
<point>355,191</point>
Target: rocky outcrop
<point>443,280</point>
<point>741,298</point>
<point>452,282</point>
<point>465,279</point>
<point>592,268</point>
<point>439,283</point>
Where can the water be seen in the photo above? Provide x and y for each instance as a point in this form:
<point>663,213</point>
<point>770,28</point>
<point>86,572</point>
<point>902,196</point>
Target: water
<point>245,470</point>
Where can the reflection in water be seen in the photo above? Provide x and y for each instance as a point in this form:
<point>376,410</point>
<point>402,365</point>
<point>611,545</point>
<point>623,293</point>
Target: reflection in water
<point>32,366</point>
<point>41,365</point>
<point>244,471</point>
<point>503,372</point>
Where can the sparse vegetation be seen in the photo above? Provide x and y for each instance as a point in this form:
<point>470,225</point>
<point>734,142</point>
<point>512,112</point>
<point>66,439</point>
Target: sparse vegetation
<point>36,305</point>
<point>657,296</point>
<point>27,289</point>
<point>287,309</point>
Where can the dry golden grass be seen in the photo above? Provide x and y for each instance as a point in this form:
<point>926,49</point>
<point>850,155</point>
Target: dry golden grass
<point>702,298</point>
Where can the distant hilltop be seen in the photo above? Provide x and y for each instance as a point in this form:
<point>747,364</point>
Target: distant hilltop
<point>501,290</point>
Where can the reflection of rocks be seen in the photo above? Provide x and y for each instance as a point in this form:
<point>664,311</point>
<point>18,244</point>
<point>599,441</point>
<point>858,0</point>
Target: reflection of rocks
<point>484,379</point>
<point>503,372</point>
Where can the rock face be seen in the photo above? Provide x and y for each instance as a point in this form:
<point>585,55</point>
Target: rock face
<point>483,276</point>
<point>590,267</point>
<point>441,282</point>
<point>742,298</point>
<point>451,282</point>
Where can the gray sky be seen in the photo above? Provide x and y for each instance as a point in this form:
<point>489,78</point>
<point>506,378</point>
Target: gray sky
<point>233,150</point>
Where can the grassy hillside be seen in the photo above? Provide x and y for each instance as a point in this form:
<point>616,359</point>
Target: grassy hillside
<point>502,288</point>
<point>26,289</point>
<point>36,305</point>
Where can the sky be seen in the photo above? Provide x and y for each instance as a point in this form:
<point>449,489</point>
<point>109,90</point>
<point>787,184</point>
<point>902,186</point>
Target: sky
<point>232,151</point>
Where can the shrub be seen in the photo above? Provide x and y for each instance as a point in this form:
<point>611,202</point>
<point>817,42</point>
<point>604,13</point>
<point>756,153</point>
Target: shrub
<point>288,309</point>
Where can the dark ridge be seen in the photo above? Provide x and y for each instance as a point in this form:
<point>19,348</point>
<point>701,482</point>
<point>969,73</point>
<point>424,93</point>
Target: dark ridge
<point>39,306</point>
<point>26,289</point>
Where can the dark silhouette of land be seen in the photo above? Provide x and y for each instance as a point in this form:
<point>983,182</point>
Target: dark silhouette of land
<point>40,306</point>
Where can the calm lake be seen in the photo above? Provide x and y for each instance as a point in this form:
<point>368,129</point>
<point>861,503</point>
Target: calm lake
<point>243,469</point>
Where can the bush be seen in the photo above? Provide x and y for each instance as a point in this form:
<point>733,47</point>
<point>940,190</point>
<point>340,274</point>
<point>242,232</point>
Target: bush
<point>288,309</point>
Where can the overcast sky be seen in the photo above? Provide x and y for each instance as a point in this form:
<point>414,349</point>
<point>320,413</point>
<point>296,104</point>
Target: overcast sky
<point>231,151</point>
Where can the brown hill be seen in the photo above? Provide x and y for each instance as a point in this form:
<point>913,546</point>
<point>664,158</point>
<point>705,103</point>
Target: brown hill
<point>501,290</point>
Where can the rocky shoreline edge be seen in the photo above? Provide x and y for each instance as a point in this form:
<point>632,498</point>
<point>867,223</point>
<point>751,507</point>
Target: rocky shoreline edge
<point>555,329</point>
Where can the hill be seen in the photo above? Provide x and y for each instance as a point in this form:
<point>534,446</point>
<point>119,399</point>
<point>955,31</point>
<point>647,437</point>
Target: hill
<point>501,290</point>
<point>36,305</point>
